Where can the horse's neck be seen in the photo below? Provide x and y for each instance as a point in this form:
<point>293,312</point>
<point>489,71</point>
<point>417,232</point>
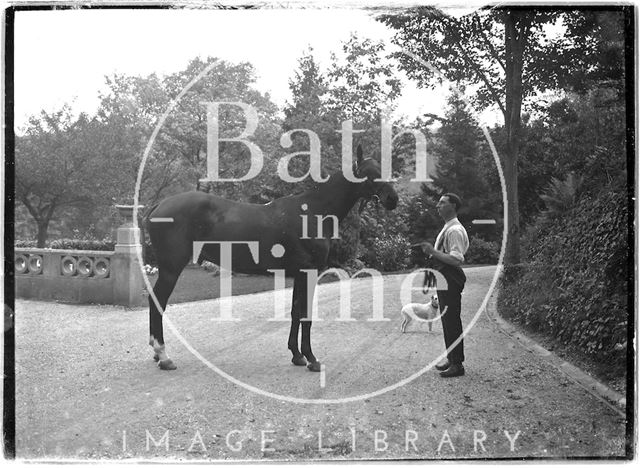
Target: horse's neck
<point>338,195</point>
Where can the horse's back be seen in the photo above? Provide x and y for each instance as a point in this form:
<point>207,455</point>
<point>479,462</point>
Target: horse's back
<point>189,217</point>
<point>186,203</point>
<point>202,217</point>
<point>197,206</point>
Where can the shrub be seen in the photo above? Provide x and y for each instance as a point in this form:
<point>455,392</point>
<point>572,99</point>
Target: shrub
<point>561,195</point>
<point>82,244</point>
<point>210,267</point>
<point>352,266</point>
<point>575,286</point>
<point>29,244</point>
<point>389,253</point>
<point>482,251</point>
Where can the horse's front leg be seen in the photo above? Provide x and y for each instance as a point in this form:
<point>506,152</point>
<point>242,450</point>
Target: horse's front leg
<point>298,359</point>
<point>162,290</point>
<point>307,310</point>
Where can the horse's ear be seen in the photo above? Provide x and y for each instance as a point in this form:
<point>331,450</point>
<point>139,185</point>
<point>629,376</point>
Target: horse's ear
<point>359,157</point>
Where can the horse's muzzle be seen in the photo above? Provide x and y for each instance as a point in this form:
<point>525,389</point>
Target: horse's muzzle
<point>386,195</point>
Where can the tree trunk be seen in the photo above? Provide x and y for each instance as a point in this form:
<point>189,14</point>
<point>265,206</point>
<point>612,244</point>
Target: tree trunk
<point>516,30</point>
<point>512,251</point>
<point>43,226</point>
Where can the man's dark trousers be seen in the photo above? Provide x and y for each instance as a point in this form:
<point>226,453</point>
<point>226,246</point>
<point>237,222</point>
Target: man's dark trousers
<point>451,322</point>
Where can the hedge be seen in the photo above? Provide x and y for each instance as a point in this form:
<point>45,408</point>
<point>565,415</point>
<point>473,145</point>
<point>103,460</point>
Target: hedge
<point>482,251</point>
<point>574,286</point>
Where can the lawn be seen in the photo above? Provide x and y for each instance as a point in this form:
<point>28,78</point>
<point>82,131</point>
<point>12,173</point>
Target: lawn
<point>196,284</point>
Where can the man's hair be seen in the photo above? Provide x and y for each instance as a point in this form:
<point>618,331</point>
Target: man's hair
<point>453,198</point>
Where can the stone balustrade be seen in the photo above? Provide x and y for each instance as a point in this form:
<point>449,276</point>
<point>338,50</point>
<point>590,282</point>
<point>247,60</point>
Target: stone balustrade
<point>84,276</point>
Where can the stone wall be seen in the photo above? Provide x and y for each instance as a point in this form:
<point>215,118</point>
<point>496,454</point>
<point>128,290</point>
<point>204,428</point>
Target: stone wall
<point>83,276</point>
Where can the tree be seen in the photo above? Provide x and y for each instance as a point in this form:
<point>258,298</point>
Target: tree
<point>185,131</point>
<point>179,157</point>
<point>584,134</point>
<point>462,164</point>
<point>457,151</point>
<point>55,169</point>
<point>359,85</point>
<point>308,110</point>
<point>79,168</point>
<point>361,88</point>
<point>128,114</point>
<point>507,55</point>
<point>309,90</point>
<point>362,83</point>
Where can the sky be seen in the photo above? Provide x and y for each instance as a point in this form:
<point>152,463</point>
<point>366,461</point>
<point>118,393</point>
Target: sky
<point>63,56</point>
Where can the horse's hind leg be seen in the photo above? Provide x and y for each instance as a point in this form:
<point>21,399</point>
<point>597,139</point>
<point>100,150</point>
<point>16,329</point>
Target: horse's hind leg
<point>306,312</point>
<point>298,359</point>
<point>162,290</point>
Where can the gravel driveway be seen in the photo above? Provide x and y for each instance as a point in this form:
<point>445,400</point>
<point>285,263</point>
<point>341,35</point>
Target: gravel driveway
<point>87,387</point>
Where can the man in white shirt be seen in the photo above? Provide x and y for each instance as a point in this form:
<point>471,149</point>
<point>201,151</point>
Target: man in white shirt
<point>448,255</point>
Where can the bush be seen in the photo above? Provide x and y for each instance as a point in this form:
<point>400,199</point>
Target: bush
<point>482,251</point>
<point>575,286</point>
<point>389,254</point>
<point>81,244</point>
<point>27,244</point>
<point>210,268</point>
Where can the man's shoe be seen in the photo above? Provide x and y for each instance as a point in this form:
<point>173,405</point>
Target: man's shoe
<point>443,366</point>
<point>454,370</point>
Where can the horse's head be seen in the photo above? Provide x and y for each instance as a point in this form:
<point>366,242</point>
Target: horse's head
<point>382,191</point>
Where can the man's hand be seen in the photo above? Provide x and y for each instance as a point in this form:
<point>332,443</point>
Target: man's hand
<point>427,248</point>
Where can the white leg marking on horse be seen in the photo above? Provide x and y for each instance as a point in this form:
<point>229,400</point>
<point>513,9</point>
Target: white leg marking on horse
<point>159,350</point>
<point>322,376</point>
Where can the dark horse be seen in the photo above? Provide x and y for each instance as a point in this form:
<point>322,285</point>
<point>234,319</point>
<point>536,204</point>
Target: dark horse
<point>198,217</point>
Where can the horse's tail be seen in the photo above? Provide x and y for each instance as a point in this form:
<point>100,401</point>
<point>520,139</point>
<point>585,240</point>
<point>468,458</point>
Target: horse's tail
<point>147,215</point>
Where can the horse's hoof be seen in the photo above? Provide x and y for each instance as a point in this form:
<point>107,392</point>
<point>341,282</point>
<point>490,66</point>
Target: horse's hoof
<point>314,366</point>
<point>299,360</point>
<point>167,364</point>
<point>156,357</point>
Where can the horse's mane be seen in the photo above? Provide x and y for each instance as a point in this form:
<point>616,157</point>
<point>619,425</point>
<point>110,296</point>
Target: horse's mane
<point>310,186</point>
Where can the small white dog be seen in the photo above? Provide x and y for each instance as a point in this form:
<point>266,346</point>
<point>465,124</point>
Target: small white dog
<point>421,312</point>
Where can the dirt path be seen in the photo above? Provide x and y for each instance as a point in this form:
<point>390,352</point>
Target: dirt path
<point>88,388</point>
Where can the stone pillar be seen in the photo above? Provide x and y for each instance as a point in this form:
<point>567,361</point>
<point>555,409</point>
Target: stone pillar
<point>128,285</point>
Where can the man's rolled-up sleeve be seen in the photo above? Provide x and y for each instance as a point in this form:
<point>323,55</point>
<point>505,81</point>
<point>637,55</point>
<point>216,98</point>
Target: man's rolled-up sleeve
<point>457,245</point>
